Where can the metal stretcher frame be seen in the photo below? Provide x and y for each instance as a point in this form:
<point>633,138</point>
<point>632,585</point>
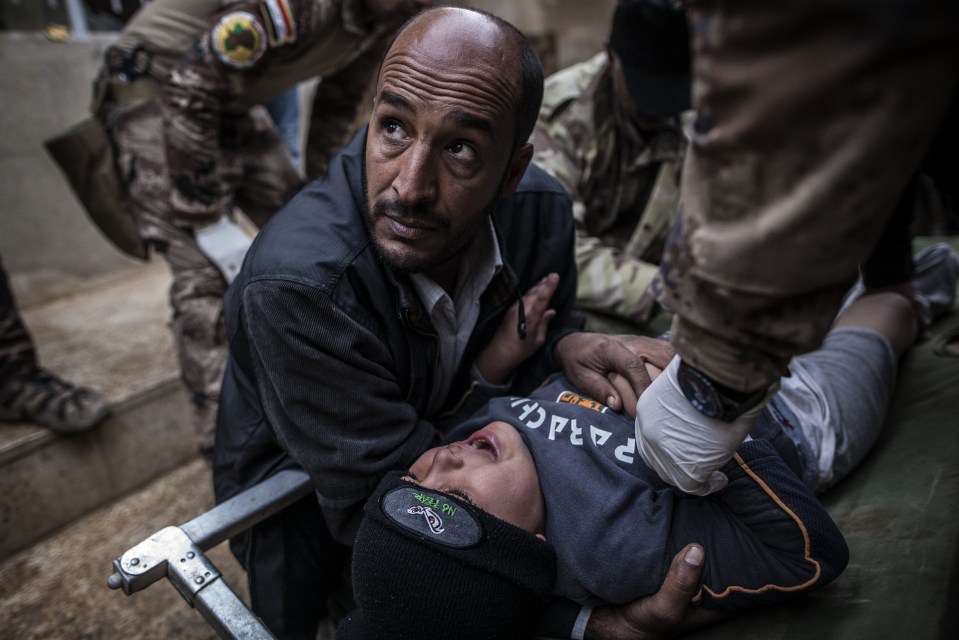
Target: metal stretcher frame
<point>177,554</point>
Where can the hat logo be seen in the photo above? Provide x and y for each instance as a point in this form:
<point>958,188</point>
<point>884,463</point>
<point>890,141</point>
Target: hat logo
<point>435,516</point>
<point>433,520</point>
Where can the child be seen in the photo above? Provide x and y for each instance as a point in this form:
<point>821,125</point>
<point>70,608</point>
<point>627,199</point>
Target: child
<point>562,468</point>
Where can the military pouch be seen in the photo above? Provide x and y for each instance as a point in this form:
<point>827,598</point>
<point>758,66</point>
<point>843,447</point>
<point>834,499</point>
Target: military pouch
<point>84,154</point>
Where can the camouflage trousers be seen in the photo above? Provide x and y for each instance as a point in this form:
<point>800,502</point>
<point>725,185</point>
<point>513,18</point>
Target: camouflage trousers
<point>17,354</point>
<point>811,117</point>
<point>256,174</point>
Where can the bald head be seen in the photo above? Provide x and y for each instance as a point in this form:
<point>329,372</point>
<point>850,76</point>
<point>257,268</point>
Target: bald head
<point>475,42</point>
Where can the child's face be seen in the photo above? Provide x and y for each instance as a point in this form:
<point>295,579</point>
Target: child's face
<point>492,469</point>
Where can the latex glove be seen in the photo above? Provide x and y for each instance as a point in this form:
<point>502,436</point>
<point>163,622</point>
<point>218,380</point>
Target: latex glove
<point>682,445</point>
<point>225,244</point>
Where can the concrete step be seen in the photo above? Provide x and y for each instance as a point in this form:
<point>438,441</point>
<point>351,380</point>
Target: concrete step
<point>112,335</point>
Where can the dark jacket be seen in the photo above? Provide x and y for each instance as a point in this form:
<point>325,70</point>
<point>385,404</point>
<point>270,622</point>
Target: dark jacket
<point>332,357</point>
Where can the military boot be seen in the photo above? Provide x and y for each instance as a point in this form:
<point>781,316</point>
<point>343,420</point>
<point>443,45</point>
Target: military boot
<point>40,397</point>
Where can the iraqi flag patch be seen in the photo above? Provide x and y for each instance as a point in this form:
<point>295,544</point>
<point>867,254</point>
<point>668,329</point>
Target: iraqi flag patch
<point>239,39</point>
<point>280,25</point>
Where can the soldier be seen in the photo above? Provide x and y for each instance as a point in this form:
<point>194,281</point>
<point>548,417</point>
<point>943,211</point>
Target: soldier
<point>609,130</point>
<point>177,94</point>
<point>29,392</point>
<point>811,119</point>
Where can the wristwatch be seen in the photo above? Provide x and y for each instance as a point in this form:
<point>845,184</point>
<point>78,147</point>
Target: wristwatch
<point>712,399</point>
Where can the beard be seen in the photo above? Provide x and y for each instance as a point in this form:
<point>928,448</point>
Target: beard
<point>408,262</point>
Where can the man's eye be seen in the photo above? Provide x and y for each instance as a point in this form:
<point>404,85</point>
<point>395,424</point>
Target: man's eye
<point>462,151</point>
<point>394,130</point>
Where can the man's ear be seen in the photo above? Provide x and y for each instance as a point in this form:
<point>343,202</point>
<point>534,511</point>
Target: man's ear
<point>517,167</point>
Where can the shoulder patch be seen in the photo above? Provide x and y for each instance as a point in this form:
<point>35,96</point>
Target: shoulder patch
<point>280,25</point>
<point>239,39</point>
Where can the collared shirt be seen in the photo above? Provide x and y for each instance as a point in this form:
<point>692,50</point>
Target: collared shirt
<point>455,318</point>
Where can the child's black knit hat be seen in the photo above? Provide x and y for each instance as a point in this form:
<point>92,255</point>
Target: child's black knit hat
<point>427,564</point>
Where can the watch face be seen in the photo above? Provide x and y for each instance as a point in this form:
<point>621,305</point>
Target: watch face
<point>699,392</point>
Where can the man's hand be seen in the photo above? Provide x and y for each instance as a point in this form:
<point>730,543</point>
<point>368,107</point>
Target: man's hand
<point>663,614</point>
<point>611,368</point>
<point>506,350</point>
<point>682,445</point>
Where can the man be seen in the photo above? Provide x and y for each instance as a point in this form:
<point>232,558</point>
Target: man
<point>609,130</point>
<point>363,311</point>
<point>810,120</point>
<point>178,95</point>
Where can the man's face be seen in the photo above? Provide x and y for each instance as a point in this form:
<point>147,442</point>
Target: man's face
<point>493,469</point>
<point>439,151</point>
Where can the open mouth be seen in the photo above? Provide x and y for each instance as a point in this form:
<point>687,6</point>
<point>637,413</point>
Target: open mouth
<point>486,442</point>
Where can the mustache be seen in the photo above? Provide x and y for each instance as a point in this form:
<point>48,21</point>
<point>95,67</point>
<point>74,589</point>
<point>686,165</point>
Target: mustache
<point>412,214</point>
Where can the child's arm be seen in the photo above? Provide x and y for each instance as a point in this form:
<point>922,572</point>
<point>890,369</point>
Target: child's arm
<point>767,537</point>
<point>496,363</point>
<point>507,350</point>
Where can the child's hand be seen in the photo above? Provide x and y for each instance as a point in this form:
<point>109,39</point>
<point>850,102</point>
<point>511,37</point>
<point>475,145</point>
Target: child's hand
<point>506,350</point>
<point>626,391</point>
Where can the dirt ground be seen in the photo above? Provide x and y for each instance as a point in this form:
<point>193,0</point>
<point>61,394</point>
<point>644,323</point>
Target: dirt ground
<point>57,588</point>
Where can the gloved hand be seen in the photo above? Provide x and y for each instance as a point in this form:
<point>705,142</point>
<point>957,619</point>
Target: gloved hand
<point>682,445</point>
<point>225,244</point>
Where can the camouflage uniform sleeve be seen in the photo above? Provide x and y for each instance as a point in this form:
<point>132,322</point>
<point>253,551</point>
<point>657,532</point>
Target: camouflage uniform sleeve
<point>193,98</point>
<point>212,75</point>
<point>337,107</point>
<point>191,107</point>
<point>555,151</point>
<point>611,281</point>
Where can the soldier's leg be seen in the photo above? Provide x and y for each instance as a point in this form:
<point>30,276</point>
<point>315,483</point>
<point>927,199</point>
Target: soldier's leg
<point>790,177</point>
<point>197,290</point>
<point>30,393</point>
<point>17,355</point>
<point>196,295</point>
